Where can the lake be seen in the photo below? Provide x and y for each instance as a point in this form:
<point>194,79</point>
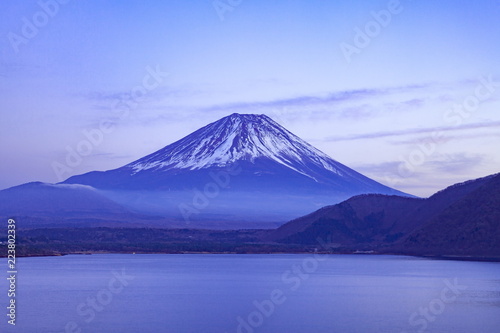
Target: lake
<point>252,293</point>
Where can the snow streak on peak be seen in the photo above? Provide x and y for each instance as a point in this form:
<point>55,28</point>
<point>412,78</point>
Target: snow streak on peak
<point>234,138</point>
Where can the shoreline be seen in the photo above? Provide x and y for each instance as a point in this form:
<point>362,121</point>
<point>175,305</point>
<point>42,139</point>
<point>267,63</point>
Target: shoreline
<point>431,257</point>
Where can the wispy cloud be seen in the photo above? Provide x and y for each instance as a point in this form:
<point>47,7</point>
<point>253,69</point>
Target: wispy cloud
<point>430,130</point>
<point>326,99</point>
<point>349,105</point>
<point>456,163</point>
<point>112,156</point>
<point>447,138</point>
<point>438,173</point>
<point>378,169</point>
<point>158,94</point>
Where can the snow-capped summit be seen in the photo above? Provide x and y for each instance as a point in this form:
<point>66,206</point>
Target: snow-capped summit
<point>238,137</point>
<point>279,174</point>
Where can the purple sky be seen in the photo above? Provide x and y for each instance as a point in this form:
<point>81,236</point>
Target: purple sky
<point>406,92</point>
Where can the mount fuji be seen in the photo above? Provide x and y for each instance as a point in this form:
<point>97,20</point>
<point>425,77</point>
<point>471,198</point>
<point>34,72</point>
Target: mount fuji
<point>243,167</point>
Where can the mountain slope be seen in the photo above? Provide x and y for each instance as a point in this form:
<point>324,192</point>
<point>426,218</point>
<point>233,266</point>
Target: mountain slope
<point>361,220</point>
<point>254,168</point>
<point>468,226</point>
<point>39,204</point>
<point>255,142</point>
<point>462,219</point>
<point>44,199</point>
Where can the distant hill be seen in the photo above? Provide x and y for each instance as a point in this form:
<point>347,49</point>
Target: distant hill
<point>42,199</point>
<point>470,225</point>
<point>41,205</point>
<point>463,219</point>
<point>59,205</point>
<point>362,220</point>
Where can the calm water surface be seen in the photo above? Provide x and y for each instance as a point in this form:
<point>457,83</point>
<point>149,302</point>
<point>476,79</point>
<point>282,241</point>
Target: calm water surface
<point>253,293</point>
